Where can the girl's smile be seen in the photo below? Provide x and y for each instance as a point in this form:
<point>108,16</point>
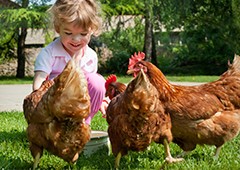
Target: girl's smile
<point>73,37</point>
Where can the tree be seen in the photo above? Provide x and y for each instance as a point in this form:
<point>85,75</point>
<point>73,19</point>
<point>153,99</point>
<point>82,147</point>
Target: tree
<point>21,42</point>
<point>19,17</point>
<point>149,40</point>
<point>210,35</point>
<point>141,8</point>
<point>148,47</point>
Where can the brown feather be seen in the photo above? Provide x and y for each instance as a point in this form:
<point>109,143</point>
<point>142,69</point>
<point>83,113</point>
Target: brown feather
<point>195,110</point>
<point>56,115</point>
<point>136,118</point>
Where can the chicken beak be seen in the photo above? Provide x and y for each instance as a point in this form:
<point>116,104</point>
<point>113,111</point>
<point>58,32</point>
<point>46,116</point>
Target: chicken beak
<point>141,80</point>
<point>142,75</point>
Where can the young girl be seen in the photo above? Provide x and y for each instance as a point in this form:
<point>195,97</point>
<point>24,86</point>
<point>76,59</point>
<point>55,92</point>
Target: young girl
<point>75,21</point>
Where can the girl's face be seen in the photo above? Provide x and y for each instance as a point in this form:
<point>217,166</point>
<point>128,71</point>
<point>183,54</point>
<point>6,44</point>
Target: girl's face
<point>73,37</point>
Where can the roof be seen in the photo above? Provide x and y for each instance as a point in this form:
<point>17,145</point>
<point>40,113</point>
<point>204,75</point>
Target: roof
<point>8,4</point>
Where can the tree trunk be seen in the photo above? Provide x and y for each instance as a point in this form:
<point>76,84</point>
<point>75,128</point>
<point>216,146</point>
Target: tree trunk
<point>149,42</point>
<point>148,35</point>
<point>21,45</point>
<point>21,53</point>
<point>154,51</point>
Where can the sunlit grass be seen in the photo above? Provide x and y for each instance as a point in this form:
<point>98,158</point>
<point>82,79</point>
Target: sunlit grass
<point>123,79</point>
<point>192,78</point>
<point>14,80</point>
<point>15,154</point>
<point>200,78</point>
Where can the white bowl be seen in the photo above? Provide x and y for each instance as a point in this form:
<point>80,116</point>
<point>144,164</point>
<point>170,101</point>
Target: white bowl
<point>98,140</point>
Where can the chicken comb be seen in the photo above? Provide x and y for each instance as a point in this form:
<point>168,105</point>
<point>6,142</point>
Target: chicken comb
<point>135,58</point>
<point>111,78</point>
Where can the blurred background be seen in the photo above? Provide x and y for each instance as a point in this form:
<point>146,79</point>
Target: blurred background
<point>181,37</point>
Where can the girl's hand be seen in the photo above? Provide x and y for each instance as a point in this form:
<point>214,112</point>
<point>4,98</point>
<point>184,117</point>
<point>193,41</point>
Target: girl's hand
<point>39,78</point>
<point>103,108</point>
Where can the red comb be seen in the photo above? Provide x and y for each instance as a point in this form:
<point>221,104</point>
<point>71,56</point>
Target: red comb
<point>111,78</point>
<point>135,58</point>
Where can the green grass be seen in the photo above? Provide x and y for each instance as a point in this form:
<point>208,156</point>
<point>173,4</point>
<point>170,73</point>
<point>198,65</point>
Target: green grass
<point>123,79</point>
<point>199,78</point>
<point>15,154</point>
<point>14,80</point>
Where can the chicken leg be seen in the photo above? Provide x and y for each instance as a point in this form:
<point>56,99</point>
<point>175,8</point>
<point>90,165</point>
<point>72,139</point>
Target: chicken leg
<point>36,161</point>
<point>169,158</point>
<point>217,152</point>
<point>117,160</point>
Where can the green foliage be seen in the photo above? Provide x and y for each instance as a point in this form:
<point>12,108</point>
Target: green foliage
<point>123,7</point>
<point>123,43</point>
<point>7,45</point>
<point>209,38</point>
<point>14,19</point>
<point>18,16</point>
<point>208,41</point>
<point>236,12</point>
<point>117,64</point>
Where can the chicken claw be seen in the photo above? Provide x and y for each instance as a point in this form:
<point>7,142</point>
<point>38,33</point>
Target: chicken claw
<point>170,159</point>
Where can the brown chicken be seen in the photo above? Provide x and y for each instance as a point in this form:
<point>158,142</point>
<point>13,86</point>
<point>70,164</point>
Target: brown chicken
<point>136,119</point>
<point>56,115</point>
<point>205,114</point>
<point>113,88</point>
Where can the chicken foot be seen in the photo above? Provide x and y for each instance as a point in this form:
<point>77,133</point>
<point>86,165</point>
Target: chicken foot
<point>169,158</point>
<point>117,160</point>
<point>36,161</point>
<point>217,152</point>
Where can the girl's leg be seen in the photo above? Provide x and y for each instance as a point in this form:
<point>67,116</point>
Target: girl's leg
<point>96,88</point>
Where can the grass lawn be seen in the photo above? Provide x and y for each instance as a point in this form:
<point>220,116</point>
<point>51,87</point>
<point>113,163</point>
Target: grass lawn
<point>123,79</point>
<point>15,154</point>
<point>14,80</point>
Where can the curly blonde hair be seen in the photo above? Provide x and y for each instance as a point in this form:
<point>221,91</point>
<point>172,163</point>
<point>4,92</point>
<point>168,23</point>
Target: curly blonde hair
<point>83,13</point>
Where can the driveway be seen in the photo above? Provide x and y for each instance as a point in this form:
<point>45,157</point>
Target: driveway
<point>12,96</point>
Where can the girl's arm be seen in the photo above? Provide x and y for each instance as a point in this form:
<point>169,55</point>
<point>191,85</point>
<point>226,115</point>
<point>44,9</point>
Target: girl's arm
<point>39,77</point>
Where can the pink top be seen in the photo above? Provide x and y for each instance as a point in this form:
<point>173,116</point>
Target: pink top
<point>53,58</point>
